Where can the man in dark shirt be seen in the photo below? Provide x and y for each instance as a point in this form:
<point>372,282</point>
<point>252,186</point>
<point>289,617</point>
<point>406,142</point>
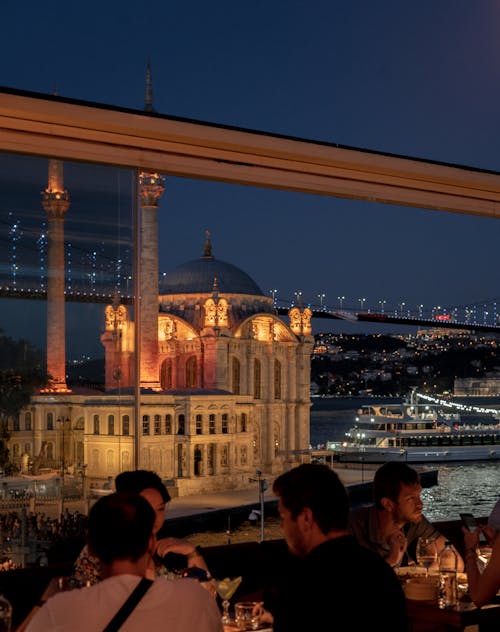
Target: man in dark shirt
<point>329,580</point>
<point>393,524</point>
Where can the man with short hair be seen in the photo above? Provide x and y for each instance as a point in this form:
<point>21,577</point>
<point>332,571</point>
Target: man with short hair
<point>331,581</point>
<point>120,534</point>
<point>395,521</point>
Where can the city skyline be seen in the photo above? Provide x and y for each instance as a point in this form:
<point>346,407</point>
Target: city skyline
<point>384,78</point>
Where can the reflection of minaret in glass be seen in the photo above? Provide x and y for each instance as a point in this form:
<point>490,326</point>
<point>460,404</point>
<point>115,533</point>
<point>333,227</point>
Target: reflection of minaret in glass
<point>55,201</point>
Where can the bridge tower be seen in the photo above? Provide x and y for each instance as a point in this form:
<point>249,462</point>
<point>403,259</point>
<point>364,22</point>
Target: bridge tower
<point>55,201</point>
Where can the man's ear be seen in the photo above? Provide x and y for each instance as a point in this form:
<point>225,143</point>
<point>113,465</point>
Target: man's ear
<point>387,504</point>
<point>307,517</point>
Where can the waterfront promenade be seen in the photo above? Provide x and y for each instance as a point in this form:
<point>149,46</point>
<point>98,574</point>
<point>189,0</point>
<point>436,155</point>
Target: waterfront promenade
<point>186,506</point>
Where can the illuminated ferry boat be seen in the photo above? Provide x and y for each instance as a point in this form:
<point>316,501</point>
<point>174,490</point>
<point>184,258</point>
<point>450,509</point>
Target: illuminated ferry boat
<point>430,432</point>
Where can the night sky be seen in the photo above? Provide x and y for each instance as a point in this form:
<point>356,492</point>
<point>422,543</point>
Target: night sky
<point>419,79</point>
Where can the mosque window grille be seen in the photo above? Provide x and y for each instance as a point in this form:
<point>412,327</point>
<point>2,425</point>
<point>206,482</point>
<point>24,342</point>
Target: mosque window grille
<point>126,425</point>
<point>168,424</point>
<point>157,424</point>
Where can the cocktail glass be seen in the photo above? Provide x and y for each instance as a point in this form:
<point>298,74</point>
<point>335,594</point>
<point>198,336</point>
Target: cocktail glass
<point>225,589</point>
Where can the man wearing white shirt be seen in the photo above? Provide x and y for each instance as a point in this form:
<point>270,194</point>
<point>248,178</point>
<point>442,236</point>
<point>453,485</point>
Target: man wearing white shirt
<point>120,534</point>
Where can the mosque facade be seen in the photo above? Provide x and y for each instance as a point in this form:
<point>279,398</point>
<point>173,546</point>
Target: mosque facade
<point>220,387</point>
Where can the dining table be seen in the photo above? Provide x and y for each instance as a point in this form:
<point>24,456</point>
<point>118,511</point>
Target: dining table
<point>427,616</point>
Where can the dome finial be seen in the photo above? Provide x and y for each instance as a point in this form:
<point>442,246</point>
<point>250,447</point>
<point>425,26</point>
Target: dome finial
<point>207,252</point>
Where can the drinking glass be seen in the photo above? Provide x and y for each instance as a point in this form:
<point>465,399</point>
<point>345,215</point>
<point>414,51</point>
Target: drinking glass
<point>248,615</point>
<point>225,589</point>
<point>426,553</point>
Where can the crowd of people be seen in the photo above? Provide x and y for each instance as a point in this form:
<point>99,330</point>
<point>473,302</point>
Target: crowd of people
<point>340,560</point>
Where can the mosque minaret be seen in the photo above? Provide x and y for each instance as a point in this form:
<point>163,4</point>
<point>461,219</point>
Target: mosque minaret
<point>151,187</point>
<point>55,201</point>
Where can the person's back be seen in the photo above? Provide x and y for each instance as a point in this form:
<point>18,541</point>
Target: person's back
<point>330,578</point>
<point>121,536</point>
<point>339,581</point>
<point>177,606</point>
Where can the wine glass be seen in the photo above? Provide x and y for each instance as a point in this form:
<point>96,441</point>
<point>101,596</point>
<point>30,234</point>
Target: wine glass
<point>426,553</point>
<point>225,589</point>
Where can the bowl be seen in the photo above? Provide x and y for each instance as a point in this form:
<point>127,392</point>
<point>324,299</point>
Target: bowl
<point>421,588</point>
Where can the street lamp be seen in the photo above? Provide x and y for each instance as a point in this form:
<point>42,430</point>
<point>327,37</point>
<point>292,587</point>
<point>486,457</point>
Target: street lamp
<point>382,303</point>
<point>321,299</point>
<point>273,294</point>
<point>298,297</point>
<point>361,303</point>
<point>256,513</point>
<point>341,300</point>
<point>63,421</point>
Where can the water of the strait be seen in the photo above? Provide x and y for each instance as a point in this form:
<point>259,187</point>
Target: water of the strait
<point>466,487</point>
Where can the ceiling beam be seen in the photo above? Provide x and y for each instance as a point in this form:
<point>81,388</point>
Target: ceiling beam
<point>73,130</point>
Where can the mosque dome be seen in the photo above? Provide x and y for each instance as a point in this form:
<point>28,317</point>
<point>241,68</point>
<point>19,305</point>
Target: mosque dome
<point>197,277</point>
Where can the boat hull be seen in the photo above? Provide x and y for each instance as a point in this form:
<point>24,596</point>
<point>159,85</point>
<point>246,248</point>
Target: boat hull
<point>431,454</point>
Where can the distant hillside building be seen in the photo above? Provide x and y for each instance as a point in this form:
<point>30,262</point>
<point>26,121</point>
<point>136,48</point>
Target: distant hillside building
<point>482,387</point>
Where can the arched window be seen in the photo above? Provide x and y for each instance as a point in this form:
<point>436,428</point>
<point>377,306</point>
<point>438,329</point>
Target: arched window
<point>126,425</point>
<point>111,424</point>
<point>168,424</point>
<point>181,425</point>
<point>235,372</point>
<point>96,425</point>
<point>211,424</point>
<point>256,379</point>
<point>243,422</point>
<point>27,421</point>
<point>166,375</point>
<point>157,425</point>
<point>15,423</point>
<point>199,424</point>
<point>225,424</point>
<point>277,379</point>
<point>191,381</point>
<point>145,424</point>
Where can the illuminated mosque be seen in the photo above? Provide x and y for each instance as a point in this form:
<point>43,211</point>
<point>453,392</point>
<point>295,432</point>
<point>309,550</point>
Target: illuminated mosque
<point>222,384</point>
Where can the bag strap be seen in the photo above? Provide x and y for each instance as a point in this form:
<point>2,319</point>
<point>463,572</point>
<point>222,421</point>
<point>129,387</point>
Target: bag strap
<point>132,600</point>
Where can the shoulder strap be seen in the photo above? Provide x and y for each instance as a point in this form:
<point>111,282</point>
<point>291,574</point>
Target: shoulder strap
<point>133,599</point>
